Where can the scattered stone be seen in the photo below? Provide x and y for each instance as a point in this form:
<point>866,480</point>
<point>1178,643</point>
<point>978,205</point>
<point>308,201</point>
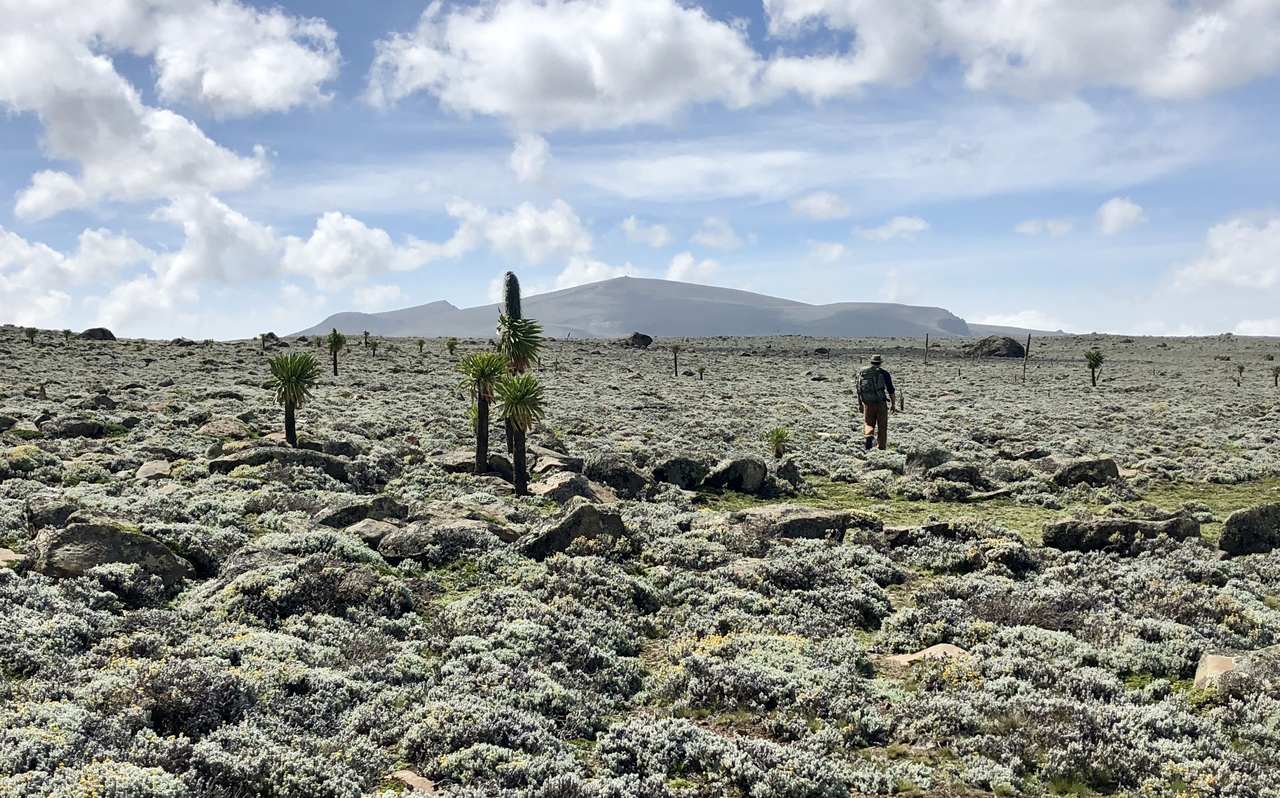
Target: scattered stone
<point>939,651</point>
<point>639,340</point>
<point>967,473</point>
<point>99,401</point>
<point>997,346</point>
<point>229,428</point>
<point>742,474</point>
<point>349,512</point>
<point>74,427</point>
<point>153,469</point>
<point>371,530</point>
<point>282,455</point>
<point>617,472</point>
<point>793,521</point>
<point>1116,535</point>
<point>581,520</point>
<point>97,334</point>
<point>1089,471</point>
<point>919,461</point>
<point>1253,530</point>
<point>1212,668</point>
<point>88,541</point>
<point>416,784</point>
<point>457,461</point>
<point>562,486</point>
<point>684,472</point>
<point>12,559</point>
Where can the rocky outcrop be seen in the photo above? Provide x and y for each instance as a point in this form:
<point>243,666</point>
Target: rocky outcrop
<point>1254,530</point>
<point>793,521</point>
<point>74,427</point>
<point>639,340</point>
<point>350,511</point>
<point>229,428</point>
<point>997,346</point>
<point>1116,535</point>
<point>88,541</point>
<point>97,334</point>
<point>261,455</point>
<point>582,520</point>
<point>683,472</point>
<point>618,473</point>
<point>741,474</point>
<point>153,469</point>
<point>1096,471</point>
<point>562,486</point>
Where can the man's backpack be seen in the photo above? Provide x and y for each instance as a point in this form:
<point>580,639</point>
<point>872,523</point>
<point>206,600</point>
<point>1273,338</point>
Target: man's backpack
<point>871,385</point>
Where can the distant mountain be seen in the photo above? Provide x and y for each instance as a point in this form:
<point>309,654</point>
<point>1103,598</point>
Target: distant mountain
<point>984,330</point>
<point>661,308</point>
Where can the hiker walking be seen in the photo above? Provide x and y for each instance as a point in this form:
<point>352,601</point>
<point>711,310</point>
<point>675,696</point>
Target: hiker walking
<point>875,402</point>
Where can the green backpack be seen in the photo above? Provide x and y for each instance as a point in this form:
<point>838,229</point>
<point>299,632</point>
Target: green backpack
<point>871,386</point>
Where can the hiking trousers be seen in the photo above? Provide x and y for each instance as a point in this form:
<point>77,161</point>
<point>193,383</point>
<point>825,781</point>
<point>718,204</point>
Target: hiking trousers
<point>875,422</point>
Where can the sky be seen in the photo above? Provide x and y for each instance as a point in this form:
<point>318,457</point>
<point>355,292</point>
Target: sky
<point>219,168</point>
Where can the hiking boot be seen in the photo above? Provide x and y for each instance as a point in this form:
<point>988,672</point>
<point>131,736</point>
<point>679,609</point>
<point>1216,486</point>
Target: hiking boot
<point>869,442</point>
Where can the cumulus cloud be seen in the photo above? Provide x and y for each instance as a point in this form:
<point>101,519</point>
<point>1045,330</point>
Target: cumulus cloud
<point>374,298</point>
<point>688,269</point>
<point>897,227</point>
<point>223,55</point>
<point>1026,319</point>
<point>1240,253</point>
<point>827,251</point>
<point>1159,48</point>
<point>569,63</point>
<point>532,234</point>
<point>820,206</point>
<point>1050,227</point>
<point>581,270</point>
<point>652,235</point>
<point>1119,214</point>
<point>716,232</point>
<point>529,157</point>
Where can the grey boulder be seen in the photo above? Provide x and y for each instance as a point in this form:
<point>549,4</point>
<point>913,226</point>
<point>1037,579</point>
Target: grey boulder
<point>1254,530</point>
<point>87,541</point>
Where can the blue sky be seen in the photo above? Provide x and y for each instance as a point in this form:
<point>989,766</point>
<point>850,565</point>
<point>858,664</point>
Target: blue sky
<point>214,168</point>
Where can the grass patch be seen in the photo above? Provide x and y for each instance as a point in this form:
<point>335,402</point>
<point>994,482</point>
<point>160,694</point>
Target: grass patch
<point>1222,500</point>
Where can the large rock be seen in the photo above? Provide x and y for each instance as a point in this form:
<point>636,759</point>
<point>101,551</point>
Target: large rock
<point>97,334</point>
<point>48,509</point>
<point>457,461</point>
<point>87,541</point>
<point>582,520</point>
<point>1216,670</point>
<point>154,469</point>
<point>371,530</point>
<point>261,455</point>
<point>549,461</point>
<point>683,472</point>
<point>439,540</point>
<point>968,473</point>
<point>74,427</point>
<point>792,521</point>
<point>1097,471</point>
<point>562,486</point>
<point>921,460</point>
<point>1116,535</point>
<point>639,340</point>
<point>229,428</point>
<point>617,472</point>
<point>743,474</point>
<point>1254,530</point>
<point>997,346</point>
<point>12,559</point>
<point>350,511</point>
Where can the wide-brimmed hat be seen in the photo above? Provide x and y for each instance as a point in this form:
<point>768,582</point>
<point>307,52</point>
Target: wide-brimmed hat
<point>876,360</point>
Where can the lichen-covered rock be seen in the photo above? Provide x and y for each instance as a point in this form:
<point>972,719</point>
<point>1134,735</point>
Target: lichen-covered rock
<point>228,428</point>
<point>348,512</point>
<point>1116,535</point>
<point>153,469</point>
<point>618,473</point>
<point>261,455</point>
<point>562,486</point>
<point>1253,530</point>
<point>74,427</point>
<point>1095,471</point>
<point>581,520</point>
<point>86,542</point>
<point>683,472</point>
<point>793,521</point>
<point>741,474</point>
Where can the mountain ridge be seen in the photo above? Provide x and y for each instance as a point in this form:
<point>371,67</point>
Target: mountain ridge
<point>662,308</point>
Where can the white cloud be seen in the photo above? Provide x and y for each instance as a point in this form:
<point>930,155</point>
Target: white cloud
<point>1160,48</point>
<point>581,270</point>
<point>1026,319</point>
<point>232,59</point>
<point>717,233</point>
<point>237,60</point>
<point>529,157</point>
<point>1119,214</point>
<point>1242,253</point>
<point>374,298</point>
<point>652,235</point>
<point>827,251</point>
<point>1050,227</point>
<point>1262,327</point>
<point>569,63</point>
<point>688,269</point>
<point>342,250</point>
<point>820,206</point>
<point>533,234</point>
<point>897,227</point>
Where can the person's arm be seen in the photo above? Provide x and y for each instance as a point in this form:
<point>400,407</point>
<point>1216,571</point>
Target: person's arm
<point>888,386</point>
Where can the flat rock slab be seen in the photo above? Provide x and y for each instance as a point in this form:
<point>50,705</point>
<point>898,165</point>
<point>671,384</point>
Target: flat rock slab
<point>1262,665</point>
<point>154,469</point>
<point>796,522</point>
<point>1116,535</point>
<point>371,530</point>
<point>939,651</point>
<point>11,559</point>
<point>1089,471</point>
<point>1211,669</point>
<point>261,455</point>
<point>418,785</point>
<point>1254,530</point>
